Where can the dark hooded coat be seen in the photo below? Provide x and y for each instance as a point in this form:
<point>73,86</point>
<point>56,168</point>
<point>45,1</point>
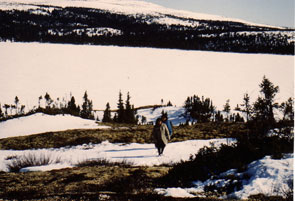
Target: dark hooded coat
<point>160,135</point>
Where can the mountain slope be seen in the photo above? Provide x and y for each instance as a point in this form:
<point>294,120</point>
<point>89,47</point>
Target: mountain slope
<point>136,23</point>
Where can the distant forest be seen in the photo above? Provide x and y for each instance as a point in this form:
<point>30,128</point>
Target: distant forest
<point>98,27</point>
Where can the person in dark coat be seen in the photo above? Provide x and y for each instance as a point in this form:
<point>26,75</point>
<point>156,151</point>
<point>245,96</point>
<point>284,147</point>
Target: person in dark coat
<point>168,123</point>
<point>160,135</point>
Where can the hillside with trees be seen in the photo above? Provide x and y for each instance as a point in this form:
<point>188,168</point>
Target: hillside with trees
<point>54,24</point>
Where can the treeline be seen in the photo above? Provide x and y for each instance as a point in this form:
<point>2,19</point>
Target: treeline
<point>51,107</point>
<point>78,26</point>
<point>125,112</point>
<point>202,110</point>
<point>259,116</point>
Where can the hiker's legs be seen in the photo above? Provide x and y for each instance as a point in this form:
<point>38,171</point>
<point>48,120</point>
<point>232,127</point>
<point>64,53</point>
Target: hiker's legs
<point>162,148</point>
<point>159,150</point>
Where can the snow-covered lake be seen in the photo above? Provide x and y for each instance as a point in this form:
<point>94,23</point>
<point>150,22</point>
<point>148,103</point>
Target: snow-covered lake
<point>29,70</point>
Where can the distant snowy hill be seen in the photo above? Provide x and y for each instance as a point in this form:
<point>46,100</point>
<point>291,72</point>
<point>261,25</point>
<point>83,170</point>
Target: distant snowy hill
<point>175,114</point>
<point>41,123</point>
<point>136,23</point>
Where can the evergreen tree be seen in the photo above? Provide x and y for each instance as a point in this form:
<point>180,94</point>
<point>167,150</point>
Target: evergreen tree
<point>265,104</point>
<point>226,109</point>
<point>107,114</point>
<point>72,108</point>
<point>12,107</point>
<point>169,103</point>
<point>39,101</point>
<point>16,101</point>
<point>22,109</point>
<point>238,118</point>
<point>263,119</point>
<point>6,107</point>
<point>48,100</point>
<point>201,109</point>
<point>87,108</point>
<point>288,109</point>
<point>219,117</point>
<point>246,107</point>
<point>121,110</point>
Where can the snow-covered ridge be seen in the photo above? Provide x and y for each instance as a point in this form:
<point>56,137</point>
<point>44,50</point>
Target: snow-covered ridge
<point>128,7</point>
<point>40,123</point>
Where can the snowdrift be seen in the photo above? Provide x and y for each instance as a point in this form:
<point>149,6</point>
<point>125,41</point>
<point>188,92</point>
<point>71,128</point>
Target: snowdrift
<point>40,123</point>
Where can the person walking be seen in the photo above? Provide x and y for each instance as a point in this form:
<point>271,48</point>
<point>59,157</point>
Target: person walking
<point>168,123</point>
<point>160,136</point>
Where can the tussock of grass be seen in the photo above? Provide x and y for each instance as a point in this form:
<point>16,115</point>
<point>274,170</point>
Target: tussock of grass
<point>103,162</point>
<point>30,160</point>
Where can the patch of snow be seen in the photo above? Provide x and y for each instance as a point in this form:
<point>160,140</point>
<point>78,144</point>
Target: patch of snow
<point>40,123</point>
<point>267,176</point>
<point>46,167</point>
<point>175,114</point>
<point>175,192</point>
<point>134,153</point>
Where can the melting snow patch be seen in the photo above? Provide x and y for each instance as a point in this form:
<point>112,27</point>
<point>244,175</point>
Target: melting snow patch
<point>267,176</point>
<point>40,123</point>
<point>134,153</point>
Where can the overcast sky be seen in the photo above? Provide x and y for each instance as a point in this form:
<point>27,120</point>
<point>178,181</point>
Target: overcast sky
<point>270,12</point>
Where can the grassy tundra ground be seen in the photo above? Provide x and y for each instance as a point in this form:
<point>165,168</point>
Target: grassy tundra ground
<point>101,180</point>
<point>120,134</point>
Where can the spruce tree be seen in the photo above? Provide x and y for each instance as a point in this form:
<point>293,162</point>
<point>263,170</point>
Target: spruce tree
<point>245,107</point>
<point>107,114</point>
<point>265,104</point>
<point>48,100</point>
<point>201,109</point>
<point>39,100</point>
<point>72,108</point>
<point>129,111</point>
<point>16,101</point>
<point>121,110</point>
<point>288,109</point>
<point>87,108</point>
<point>169,103</point>
<point>6,107</point>
<point>22,109</point>
<point>226,109</point>
<point>263,110</point>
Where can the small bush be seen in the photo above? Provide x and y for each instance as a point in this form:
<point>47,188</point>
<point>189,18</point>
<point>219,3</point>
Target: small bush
<point>211,161</point>
<point>103,162</point>
<point>30,160</point>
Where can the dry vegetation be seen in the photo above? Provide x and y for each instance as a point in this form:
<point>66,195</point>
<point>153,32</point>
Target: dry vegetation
<point>100,180</point>
<point>119,134</point>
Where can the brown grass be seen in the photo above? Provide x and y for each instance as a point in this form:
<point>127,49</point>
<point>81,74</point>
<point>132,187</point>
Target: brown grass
<point>119,134</point>
<point>79,181</point>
